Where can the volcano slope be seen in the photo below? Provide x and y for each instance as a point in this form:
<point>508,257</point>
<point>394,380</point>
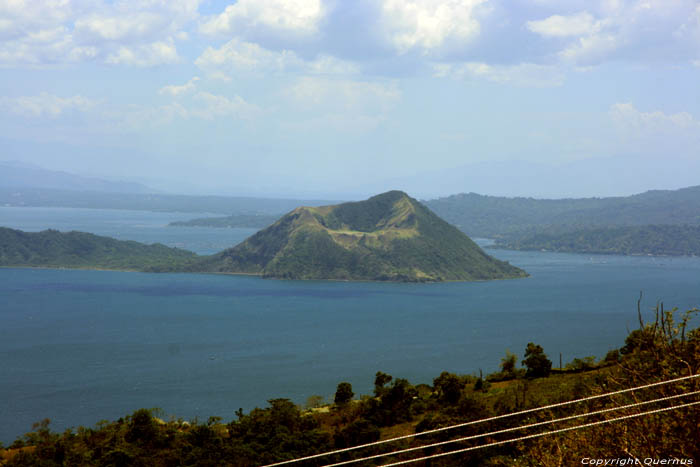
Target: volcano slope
<point>389,237</point>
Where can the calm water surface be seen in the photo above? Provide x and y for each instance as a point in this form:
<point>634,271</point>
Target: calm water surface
<point>80,346</point>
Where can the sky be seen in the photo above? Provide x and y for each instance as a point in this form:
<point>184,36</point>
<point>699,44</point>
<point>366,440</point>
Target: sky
<point>346,98</point>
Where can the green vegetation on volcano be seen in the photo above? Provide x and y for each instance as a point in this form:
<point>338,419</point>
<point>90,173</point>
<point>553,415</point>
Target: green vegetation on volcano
<point>51,248</point>
<point>388,237</point>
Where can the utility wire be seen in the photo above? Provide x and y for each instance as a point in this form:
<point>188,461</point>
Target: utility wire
<point>474,422</point>
<point>516,428</point>
<point>538,435</point>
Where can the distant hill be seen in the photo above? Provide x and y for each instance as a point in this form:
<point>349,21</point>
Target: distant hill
<point>493,216</point>
<point>250,221</point>
<point>387,237</point>
<point>666,240</point>
<point>20,175</point>
<point>225,205</point>
<point>51,248</point>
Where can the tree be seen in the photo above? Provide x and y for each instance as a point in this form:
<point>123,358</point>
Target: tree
<point>448,387</point>
<point>508,364</point>
<point>536,361</point>
<point>380,380</point>
<point>343,393</point>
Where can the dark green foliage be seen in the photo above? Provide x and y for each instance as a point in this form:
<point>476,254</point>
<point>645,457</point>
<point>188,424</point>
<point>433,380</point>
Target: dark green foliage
<point>536,361</point>
<point>448,387</point>
<point>51,248</point>
<point>358,432</point>
<point>343,393</point>
<point>394,406</point>
<point>381,379</point>
<point>670,240</point>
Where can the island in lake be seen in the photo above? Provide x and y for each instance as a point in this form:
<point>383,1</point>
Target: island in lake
<point>389,237</point>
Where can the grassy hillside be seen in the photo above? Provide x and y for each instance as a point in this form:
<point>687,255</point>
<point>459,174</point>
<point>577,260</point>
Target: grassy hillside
<point>493,216</point>
<point>388,237</point>
<point>668,240</point>
<point>52,248</point>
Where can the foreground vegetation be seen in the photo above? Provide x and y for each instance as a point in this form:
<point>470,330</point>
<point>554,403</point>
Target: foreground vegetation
<point>663,240</point>
<point>660,350</point>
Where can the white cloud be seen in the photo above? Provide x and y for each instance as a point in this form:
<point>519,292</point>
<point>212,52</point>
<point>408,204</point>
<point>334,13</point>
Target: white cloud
<point>429,24</point>
<point>296,17</point>
<point>211,106</point>
<point>238,55</point>
<point>337,122</point>
<point>563,26</point>
<point>619,29</point>
<point>243,55</point>
<point>156,53</point>
<point>629,118</point>
<point>175,90</point>
<point>344,95</point>
<point>202,106</point>
<point>44,32</point>
<point>46,105</point>
<point>523,75</point>
<point>591,49</point>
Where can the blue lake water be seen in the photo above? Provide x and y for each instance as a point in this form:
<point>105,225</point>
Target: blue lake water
<point>80,346</point>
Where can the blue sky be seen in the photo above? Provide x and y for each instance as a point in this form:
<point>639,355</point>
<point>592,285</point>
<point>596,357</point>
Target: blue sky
<point>338,99</point>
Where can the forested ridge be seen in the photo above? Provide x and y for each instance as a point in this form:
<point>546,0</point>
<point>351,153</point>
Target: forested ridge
<point>496,216</point>
<point>664,349</point>
<point>51,248</point>
<point>666,240</point>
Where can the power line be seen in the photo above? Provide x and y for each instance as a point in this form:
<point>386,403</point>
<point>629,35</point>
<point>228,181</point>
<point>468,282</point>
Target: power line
<point>507,430</point>
<point>538,435</point>
<point>484,420</point>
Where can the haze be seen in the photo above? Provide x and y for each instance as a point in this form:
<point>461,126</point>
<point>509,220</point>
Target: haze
<point>340,99</point>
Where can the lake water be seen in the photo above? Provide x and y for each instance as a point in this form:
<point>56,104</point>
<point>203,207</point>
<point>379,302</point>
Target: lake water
<point>80,346</point>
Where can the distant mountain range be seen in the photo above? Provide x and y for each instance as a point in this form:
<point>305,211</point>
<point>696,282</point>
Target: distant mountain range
<point>14,174</point>
<point>389,237</point>
<point>494,216</point>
